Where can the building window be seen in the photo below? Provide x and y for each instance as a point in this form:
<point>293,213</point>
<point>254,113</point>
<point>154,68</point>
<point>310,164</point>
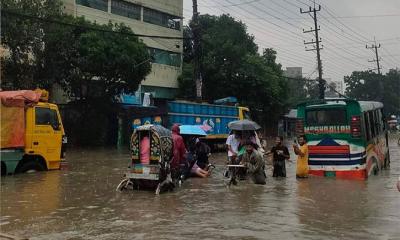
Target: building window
<point>165,57</point>
<point>161,19</point>
<point>125,9</point>
<point>97,4</point>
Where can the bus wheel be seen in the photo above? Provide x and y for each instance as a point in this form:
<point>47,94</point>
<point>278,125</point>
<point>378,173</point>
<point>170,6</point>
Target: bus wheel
<point>30,167</point>
<point>387,161</point>
<point>376,170</point>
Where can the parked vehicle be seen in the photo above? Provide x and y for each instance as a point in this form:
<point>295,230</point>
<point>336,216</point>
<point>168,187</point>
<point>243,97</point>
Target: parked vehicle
<point>346,138</point>
<point>213,118</point>
<point>32,133</point>
<point>153,172</point>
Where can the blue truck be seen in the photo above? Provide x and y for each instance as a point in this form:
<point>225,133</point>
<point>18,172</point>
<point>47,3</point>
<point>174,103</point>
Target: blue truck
<point>214,118</point>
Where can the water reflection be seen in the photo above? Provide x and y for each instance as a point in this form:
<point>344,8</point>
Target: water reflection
<point>26,199</point>
<point>326,206</point>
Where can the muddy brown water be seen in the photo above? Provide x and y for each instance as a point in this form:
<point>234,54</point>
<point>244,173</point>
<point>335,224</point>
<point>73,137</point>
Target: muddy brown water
<point>81,203</point>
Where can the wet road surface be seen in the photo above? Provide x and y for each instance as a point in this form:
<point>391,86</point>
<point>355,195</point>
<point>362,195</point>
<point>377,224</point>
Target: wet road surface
<point>81,203</point>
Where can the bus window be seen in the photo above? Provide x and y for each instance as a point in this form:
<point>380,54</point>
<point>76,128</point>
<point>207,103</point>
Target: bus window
<point>367,127</point>
<point>372,124</point>
<point>382,120</point>
<point>336,116</point>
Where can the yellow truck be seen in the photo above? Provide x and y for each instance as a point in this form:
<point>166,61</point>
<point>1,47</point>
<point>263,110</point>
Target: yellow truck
<point>32,133</point>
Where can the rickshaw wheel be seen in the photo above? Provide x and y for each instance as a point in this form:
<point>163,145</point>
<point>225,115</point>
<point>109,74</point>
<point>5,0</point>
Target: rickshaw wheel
<point>158,189</point>
<point>123,185</point>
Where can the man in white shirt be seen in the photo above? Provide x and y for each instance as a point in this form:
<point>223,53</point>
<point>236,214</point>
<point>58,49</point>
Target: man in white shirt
<point>233,143</point>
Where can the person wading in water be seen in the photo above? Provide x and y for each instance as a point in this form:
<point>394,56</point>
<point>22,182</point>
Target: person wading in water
<point>280,154</point>
<point>254,163</point>
<point>302,157</point>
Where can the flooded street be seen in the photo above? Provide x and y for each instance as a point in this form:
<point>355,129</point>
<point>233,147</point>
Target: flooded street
<point>81,203</point>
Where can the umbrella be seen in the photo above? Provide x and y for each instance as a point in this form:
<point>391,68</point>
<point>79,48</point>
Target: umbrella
<point>192,130</point>
<point>243,125</point>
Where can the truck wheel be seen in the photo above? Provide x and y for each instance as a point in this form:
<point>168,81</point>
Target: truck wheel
<point>31,166</point>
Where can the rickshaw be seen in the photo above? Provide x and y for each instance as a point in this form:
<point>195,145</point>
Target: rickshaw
<point>235,171</point>
<point>154,172</point>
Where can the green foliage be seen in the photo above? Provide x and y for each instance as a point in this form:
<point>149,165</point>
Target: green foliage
<point>232,66</point>
<point>366,86</point>
<point>300,90</point>
<point>85,61</point>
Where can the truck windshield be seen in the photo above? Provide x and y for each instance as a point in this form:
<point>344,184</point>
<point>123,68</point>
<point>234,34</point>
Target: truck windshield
<point>46,116</point>
<point>246,115</point>
<point>334,116</point>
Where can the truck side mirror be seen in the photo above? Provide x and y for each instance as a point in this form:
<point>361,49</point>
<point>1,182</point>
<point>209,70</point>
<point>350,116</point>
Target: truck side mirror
<point>55,126</point>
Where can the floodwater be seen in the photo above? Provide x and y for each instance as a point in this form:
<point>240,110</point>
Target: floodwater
<point>81,203</point>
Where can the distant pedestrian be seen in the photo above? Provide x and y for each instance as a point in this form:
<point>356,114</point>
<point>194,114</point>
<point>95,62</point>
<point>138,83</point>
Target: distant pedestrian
<point>280,155</point>
<point>302,157</point>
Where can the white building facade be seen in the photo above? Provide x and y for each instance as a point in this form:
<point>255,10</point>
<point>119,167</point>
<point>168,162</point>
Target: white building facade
<point>150,17</point>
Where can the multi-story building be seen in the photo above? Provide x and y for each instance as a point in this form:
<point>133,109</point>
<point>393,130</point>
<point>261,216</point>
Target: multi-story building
<point>150,17</point>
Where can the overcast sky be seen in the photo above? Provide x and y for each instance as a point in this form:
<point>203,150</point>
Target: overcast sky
<point>346,27</point>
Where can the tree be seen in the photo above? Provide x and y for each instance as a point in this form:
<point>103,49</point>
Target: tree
<point>365,86</point>
<point>22,38</point>
<point>392,92</point>
<point>92,63</point>
<point>232,66</point>
<point>46,47</point>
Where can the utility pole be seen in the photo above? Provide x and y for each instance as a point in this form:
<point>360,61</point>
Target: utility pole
<point>321,82</point>
<point>378,67</point>
<point>377,59</point>
<point>195,26</point>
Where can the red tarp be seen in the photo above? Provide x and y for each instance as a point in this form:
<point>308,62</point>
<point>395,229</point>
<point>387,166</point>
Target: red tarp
<point>20,98</point>
<point>13,116</point>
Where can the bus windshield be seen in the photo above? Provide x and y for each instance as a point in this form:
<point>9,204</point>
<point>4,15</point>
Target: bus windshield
<point>324,117</point>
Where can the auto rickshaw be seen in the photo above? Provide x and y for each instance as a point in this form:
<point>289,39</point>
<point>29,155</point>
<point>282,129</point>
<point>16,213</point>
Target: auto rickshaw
<point>151,152</point>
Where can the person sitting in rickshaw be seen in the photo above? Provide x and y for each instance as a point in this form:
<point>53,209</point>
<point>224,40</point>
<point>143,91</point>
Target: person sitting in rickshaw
<point>197,163</point>
<point>254,163</point>
<point>202,167</point>
<point>145,150</point>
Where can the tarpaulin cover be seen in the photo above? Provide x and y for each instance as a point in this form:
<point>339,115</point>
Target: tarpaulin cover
<point>13,116</point>
<point>20,98</point>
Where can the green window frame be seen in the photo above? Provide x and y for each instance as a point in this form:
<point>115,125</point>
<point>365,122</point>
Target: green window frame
<point>96,4</point>
<point>161,18</point>
<point>126,9</point>
<point>165,57</point>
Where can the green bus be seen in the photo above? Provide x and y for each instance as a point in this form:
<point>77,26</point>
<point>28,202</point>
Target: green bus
<point>346,138</point>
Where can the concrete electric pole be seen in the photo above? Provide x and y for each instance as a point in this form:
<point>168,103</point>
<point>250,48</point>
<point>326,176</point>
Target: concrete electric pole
<point>321,82</point>
<point>377,59</point>
<point>195,26</point>
<point>378,66</point>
